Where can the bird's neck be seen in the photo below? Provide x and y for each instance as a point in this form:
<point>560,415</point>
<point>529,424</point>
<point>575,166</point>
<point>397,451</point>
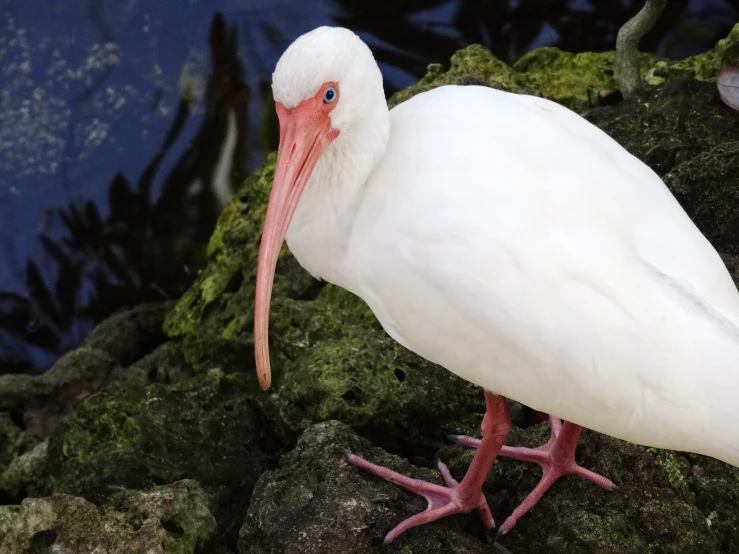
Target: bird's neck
<point>320,230</point>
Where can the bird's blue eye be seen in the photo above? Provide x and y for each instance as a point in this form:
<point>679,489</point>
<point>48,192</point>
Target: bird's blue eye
<point>330,95</point>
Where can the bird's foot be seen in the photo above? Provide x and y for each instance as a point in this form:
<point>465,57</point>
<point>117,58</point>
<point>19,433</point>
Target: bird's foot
<point>454,498</point>
<point>556,458</point>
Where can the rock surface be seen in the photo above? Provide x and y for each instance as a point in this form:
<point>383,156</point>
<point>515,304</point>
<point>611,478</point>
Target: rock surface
<point>165,364</point>
<point>669,124</point>
<point>704,66</point>
<point>15,444</point>
<point>215,316</point>
<point>129,335</point>
<point>574,80</point>
<point>473,65</point>
<point>665,502</point>
<point>41,401</point>
<point>316,503</point>
<point>138,437</point>
<point>173,519</point>
<point>330,363</point>
<point>708,184</point>
<point>25,475</point>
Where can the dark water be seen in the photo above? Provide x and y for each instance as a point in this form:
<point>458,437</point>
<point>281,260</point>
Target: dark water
<point>125,124</point>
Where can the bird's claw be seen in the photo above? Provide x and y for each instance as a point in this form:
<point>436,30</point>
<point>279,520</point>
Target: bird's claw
<point>442,500</point>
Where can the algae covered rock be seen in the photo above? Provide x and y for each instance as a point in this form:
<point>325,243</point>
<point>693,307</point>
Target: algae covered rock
<point>214,318</point>
<point>665,502</point>
<point>668,124</point>
<point>165,364</point>
<point>574,80</point>
<point>704,66</point>
<point>690,138</point>
<point>138,437</point>
<point>26,475</point>
<point>132,333</point>
<point>331,360</point>
<point>716,488</point>
<point>473,65</point>
<point>708,186</point>
<point>316,503</point>
<point>42,400</point>
<point>173,519</point>
<point>656,506</point>
<point>14,443</point>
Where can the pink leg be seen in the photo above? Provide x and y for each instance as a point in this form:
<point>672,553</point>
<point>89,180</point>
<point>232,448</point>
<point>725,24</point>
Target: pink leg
<point>454,498</point>
<point>556,458</point>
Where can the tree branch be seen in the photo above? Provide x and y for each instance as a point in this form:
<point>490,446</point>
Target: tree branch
<point>627,44</point>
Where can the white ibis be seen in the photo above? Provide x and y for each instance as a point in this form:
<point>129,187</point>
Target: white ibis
<point>509,240</point>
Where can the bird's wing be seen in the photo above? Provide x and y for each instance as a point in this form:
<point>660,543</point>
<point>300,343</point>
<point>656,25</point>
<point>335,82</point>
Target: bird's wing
<point>505,229</point>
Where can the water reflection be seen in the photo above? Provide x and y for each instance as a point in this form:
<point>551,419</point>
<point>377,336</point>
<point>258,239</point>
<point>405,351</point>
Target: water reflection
<point>147,246</point>
<point>188,91</point>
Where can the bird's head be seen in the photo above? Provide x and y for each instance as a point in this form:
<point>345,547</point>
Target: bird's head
<point>322,86</point>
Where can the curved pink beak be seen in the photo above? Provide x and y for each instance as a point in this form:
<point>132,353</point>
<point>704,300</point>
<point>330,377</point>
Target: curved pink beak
<point>305,132</point>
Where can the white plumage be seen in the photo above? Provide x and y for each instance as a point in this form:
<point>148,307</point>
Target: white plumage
<point>511,241</point>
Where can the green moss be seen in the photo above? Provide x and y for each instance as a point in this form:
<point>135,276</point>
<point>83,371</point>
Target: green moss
<point>214,319</point>
<point>335,507</point>
<point>716,487</point>
<point>708,187</point>
<point>668,124</point>
<point>329,363</point>
<point>473,65</point>
<point>574,80</point>
<point>677,469</point>
<point>174,519</point>
<point>348,303</point>
<point>25,475</point>
<point>13,441</point>
<point>704,66</point>
<point>656,506</point>
<point>136,437</point>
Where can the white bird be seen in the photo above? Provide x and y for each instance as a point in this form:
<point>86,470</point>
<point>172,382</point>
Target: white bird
<point>514,243</point>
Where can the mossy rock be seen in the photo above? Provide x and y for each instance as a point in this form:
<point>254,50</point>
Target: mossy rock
<point>132,333</point>
<point>332,360</point>
<point>665,502</point>
<point>139,437</point>
<point>40,401</point>
<point>173,519</point>
<point>165,364</point>
<point>473,65</point>
<point>704,66</point>
<point>708,185</point>
<point>668,124</point>
<point>26,475</point>
<point>683,131</point>
<point>574,80</point>
<point>214,318</point>
<point>14,442</point>
<point>317,503</point>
